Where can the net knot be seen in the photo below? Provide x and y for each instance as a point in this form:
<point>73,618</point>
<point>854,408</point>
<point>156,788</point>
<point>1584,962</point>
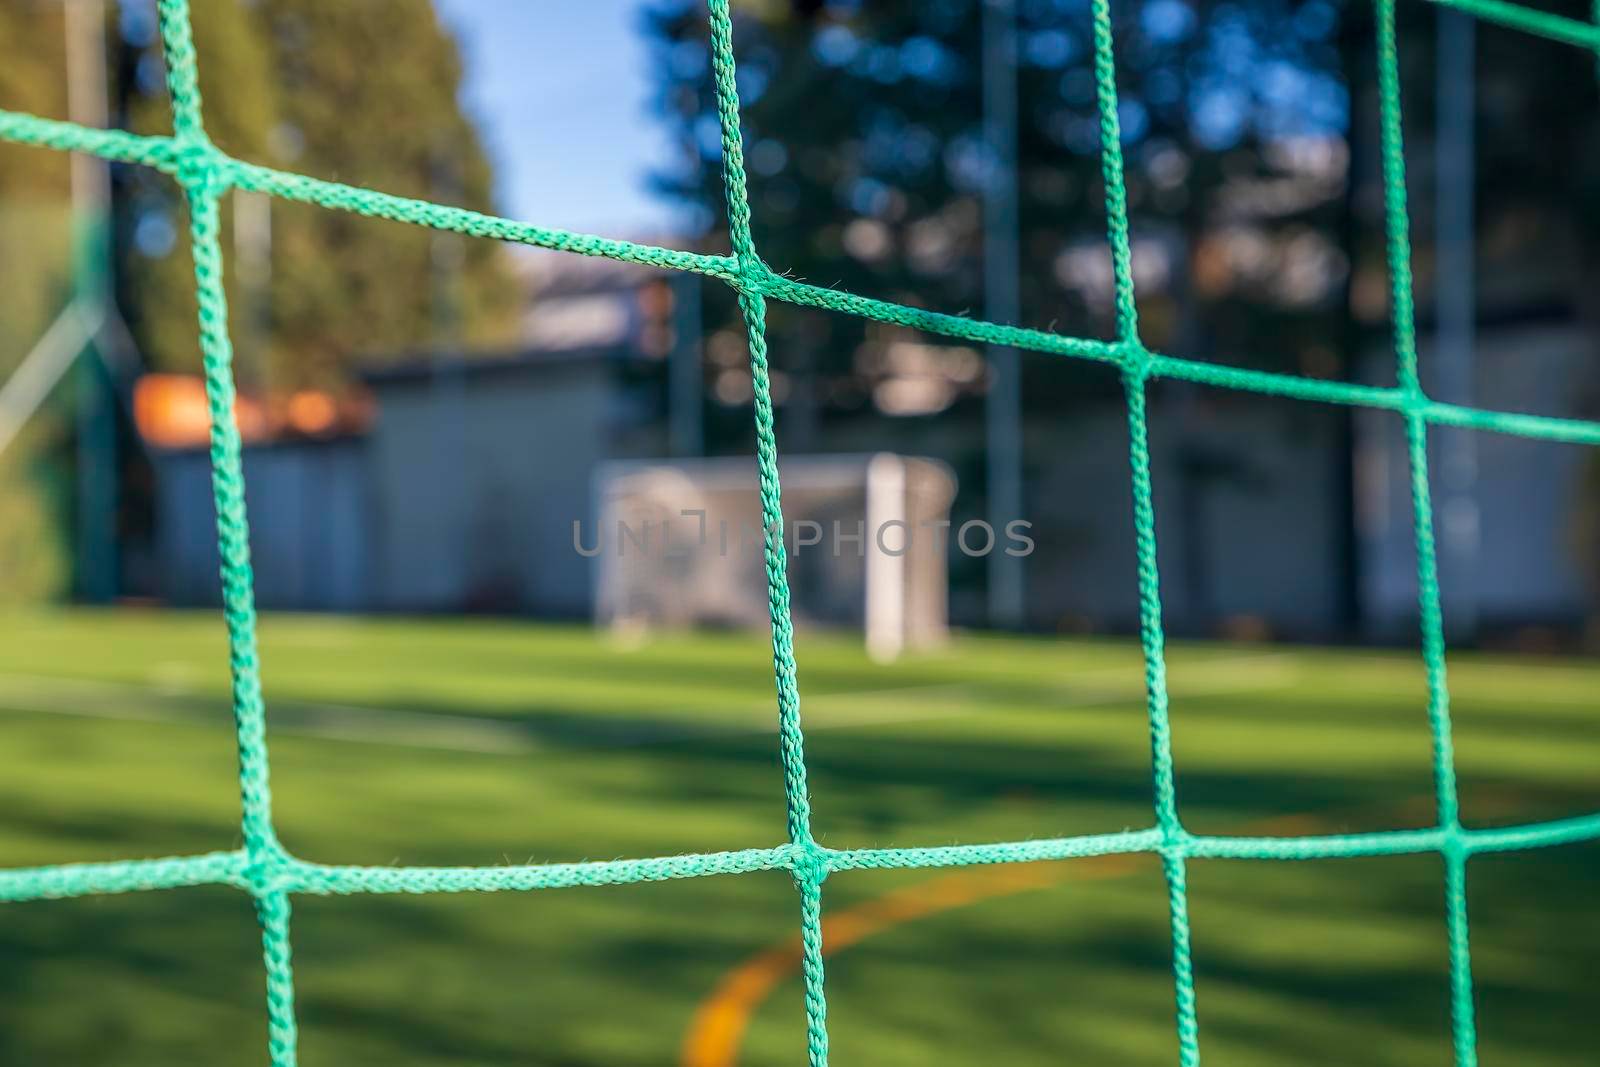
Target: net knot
<point>809,865</point>
<point>272,871</point>
<point>1137,362</point>
<point>750,272</point>
<point>199,166</point>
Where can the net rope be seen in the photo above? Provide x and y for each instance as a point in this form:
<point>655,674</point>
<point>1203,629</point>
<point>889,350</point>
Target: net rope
<point>263,868</point>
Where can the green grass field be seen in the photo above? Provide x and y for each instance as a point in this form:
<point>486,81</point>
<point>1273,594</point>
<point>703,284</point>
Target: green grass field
<point>481,743</point>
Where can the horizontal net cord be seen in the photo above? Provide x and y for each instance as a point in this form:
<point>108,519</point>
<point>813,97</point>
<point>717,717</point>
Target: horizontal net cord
<point>797,292</point>
<point>1530,20</point>
<point>161,153</point>
<point>1542,427</point>
<point>286,874</point>
<point>121,876</point>
<point>282,873</point>
<point>340,197</point>
<point>320,879</point>
<point>169,155</point>
<point>115,145</point>
<point>264,869</point>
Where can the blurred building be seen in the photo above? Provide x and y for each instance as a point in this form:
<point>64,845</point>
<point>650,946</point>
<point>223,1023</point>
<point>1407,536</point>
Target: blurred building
<point>446,482</point>
<point>478,469</point>
<point>1531,562</point>
<point>458,496</point>
<point>459,490</point>
<point>451,484</point>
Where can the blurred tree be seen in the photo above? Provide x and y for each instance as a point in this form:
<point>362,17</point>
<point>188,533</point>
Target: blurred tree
<point>156,281</point>
<point>360,92</point>
<point>35,245</point>
<point>864,139</point>
<point>34,561</point>
<point>33,183</point>
<point>1250,133</point>
<point>867,162</point>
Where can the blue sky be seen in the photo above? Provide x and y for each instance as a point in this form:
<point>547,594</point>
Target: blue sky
<point>560,90</point>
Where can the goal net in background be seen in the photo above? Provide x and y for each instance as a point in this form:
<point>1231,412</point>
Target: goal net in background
<point>681,545</point>
<point>265,870</point>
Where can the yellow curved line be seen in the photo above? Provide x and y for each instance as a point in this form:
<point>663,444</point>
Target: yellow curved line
<point>716,1032</point>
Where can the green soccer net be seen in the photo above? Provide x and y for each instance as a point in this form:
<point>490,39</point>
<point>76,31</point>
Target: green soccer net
<point>265,870</point>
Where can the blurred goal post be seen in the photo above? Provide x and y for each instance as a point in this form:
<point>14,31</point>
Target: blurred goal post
<point>679,545</point>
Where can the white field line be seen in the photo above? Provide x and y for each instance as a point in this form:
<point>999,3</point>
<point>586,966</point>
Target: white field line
<point>156,703</point>
<point>169,702</point>
<point>1100,687</point>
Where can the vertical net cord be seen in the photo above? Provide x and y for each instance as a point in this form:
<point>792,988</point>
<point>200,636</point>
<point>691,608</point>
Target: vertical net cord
<point>1136,363</point>
<point>809,869</point>
<point>1430,612</point>
<point>204,179</point>
<point>269,874</point>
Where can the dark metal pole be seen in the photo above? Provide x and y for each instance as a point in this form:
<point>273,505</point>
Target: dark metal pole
<point>684,373</point>
<point>1001,304</point>
<point>1456,453</point>
<point>85,28</point>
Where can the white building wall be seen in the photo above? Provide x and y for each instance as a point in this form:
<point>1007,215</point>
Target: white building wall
<point>478,482</point>
<point>1527,567</point>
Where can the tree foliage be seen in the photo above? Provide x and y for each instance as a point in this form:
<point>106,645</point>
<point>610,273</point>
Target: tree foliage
<point>1241,123</point>
<point>35,241</point>
<point>35,246</point>
<point>364,93</point>
<point>868,158</point>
